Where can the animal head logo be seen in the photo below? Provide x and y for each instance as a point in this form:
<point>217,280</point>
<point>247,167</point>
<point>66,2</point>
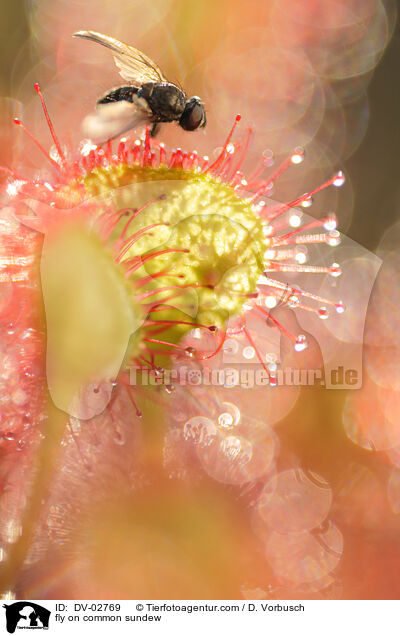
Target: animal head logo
<point>26,615</point>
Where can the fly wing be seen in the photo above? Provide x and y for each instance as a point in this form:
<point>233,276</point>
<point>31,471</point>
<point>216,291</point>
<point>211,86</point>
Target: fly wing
<point>113,119</point>
<point>134,66</point>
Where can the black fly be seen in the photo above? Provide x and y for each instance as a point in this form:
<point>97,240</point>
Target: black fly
<point>148,99</point>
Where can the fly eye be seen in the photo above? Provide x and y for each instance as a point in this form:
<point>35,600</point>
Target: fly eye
<point>194,114</point>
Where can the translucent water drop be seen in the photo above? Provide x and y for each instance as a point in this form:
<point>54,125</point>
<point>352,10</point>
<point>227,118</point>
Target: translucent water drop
<point>335,270</point>
<point>233,413</point>
<point>307,202</point>
<point>301,257</point>
<point>225,420</point>
<point>86,146</point>
<point>272,380</point>
<point>295,220</point>
<point>268,158</point>
<point>190,352</point>
<point>331,222</point>
<point>248,352</point>
<point>259,207</point>
<point>293,301</point>
<point>301,343</point>
<point>230,149</point>
<point>339,179</point>
<point>298,155</point>
<point>323,313</point>
<point>55,155</point>
<point>334,238</point>
<point>270,302</point>
<point>340,307</point>
<point>230,346</point>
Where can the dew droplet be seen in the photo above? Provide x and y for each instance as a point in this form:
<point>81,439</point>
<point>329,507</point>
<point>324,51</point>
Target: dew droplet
<point>293,301</point>
<point>295,220</point>
<point>301,343</point>
<point>323,313</point>
<point>301,257</point>
<point>248,352</point>
<point>340,307</point>
<point>268,158</point>
<point>190,352</point>
<point>258,207</point>
<point>231,416</point>
<point>339,179</point>
<point>86,146</point>
<point>225,420</point>
<point>330,222</point>
<point>298,155</point>
<point>230,346</point>
<point>270,302</point>
<point>307,202</point>
<point>335,270</point>
<point>334,238</point>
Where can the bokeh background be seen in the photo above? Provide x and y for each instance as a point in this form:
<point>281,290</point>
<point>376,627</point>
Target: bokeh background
<point>321,74</point>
